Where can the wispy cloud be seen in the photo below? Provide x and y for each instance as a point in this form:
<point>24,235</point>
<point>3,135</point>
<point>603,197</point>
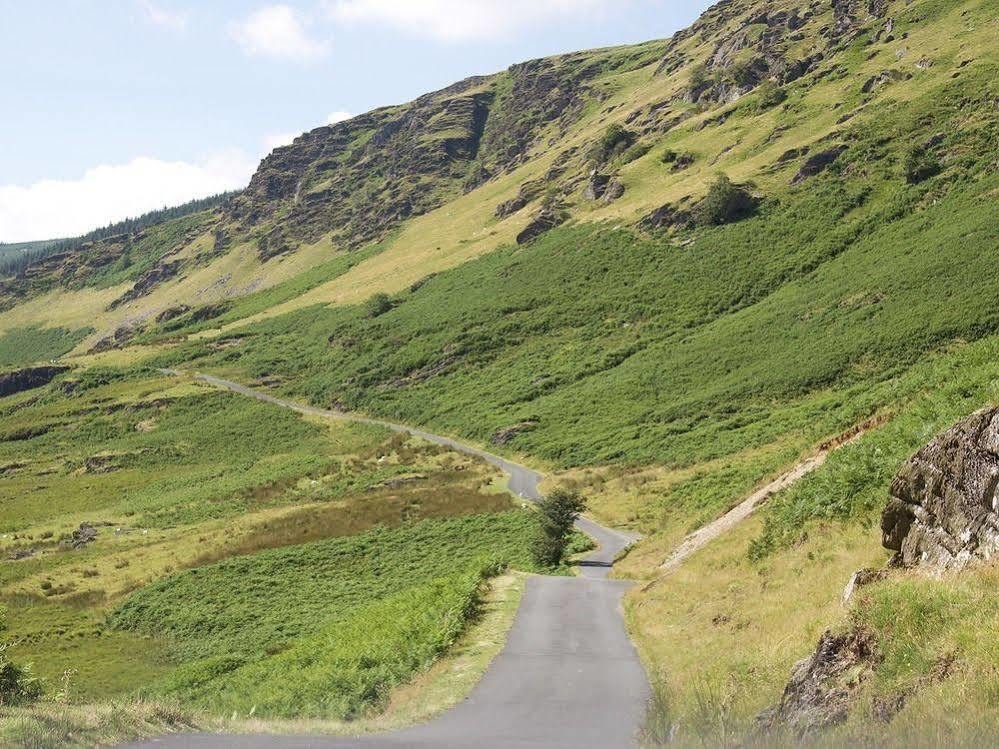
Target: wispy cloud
<point>278,32</point>
<point>462,20</point>
<point>174,20</point>
<point>61,208</point>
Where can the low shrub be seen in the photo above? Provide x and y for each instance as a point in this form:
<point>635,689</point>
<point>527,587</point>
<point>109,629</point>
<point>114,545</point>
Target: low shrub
<point>724,203</point>
<point>18,686</point>
<point>377,305</point>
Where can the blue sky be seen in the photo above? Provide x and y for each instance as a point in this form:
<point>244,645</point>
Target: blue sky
<point>113,107</point>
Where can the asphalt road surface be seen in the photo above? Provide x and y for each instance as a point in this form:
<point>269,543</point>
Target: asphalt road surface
<point>567,677</point>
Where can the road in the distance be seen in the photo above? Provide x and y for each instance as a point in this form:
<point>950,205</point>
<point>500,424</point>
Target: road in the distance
<point>567,677</point>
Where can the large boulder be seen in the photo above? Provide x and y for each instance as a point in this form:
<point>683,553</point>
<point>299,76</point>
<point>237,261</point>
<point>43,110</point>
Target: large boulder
<point>824,686</point>
<point>944,501</point>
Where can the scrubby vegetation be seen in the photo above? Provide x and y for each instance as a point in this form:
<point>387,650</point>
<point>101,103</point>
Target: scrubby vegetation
<point>34,344</point>
<point>724,203</point>
<point>325,629</point>
<point>17,683</point>
<point>161,487</point>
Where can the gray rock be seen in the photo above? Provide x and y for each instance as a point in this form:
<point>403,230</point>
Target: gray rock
<point>824,686</point>
<point>944,501</point>
<point>548,218</point>
<point>614,191</point>
<point>596,185</point>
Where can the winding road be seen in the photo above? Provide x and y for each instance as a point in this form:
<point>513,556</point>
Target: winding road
<point>567,677</point>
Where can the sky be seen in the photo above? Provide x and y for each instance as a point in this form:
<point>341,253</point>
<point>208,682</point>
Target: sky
<point>111,108</point>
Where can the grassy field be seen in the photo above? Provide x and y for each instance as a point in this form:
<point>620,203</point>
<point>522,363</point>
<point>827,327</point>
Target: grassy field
<point>165,487</point>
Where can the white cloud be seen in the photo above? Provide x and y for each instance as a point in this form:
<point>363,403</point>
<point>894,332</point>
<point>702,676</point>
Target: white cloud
<point>339,116</point>
<point>61,208</point>
<point>461,20</point>
<point>175,20</point>
<point>277,32</point>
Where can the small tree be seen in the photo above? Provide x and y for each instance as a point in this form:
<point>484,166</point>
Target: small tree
<point>557,513</point>
<point>725,202</point>
<point>615,140</point>
<point>377,305</point>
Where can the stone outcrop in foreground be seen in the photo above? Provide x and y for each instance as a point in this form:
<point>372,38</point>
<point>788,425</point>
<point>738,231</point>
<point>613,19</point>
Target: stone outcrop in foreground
<point>944,501</point>
<point>941,515</point>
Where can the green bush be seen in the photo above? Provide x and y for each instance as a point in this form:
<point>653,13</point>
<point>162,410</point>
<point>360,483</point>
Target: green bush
<point>769,95</point>
<point>724,203</point>
<point>615,141</point>
<point>17,684</point>
<point>919,165</point>
<point>377,305</point>
<point>556,514</point>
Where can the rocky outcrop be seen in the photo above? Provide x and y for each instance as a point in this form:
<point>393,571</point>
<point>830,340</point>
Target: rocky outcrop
<point>944,506</point>
<point>171,312</point>
<point>881,79</point>
<point>824,686</point>
<point>528,191</point>
<point>119,338</point>
<point>667,216</point>
<point>596,185</point>
<point>149,280</point>
<point>504,435</point>
<point>546,220</point>
<point>817,163</point>
<point>615,189</point>
<point>26,379</point>
<point>85,534</point>
<point>358,179</point>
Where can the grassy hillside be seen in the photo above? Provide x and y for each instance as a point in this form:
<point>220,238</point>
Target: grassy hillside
<point>664,273</point>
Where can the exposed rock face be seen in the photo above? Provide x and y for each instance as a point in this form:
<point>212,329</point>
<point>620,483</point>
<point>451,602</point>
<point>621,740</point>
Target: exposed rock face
<point>147,282</point>
<point>527,192</point>
<point>119,338</point>
<point>824,686</point>
<point>882,78</point>
<point>596,185</point>
<point>28,378</point>
<point>666,217</point>
<point>615,189</point>
<point>171,312</point>
<point>395,157</point>
<point>944,506</point>
<point>359,178</point>
<point>546,220</point>
<point>817,163</point>
<point>82,536</point>
<point>504,435</point>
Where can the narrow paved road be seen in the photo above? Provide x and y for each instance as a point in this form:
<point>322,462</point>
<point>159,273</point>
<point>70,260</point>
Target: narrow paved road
<point>567,677</point>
